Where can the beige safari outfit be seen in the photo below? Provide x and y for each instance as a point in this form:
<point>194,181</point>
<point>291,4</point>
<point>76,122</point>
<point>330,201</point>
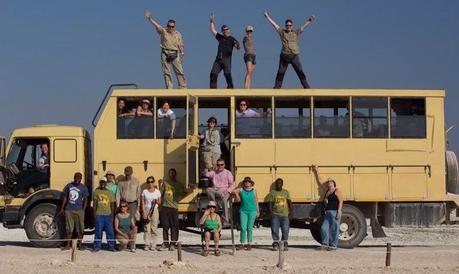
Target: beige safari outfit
<point>170,44</point>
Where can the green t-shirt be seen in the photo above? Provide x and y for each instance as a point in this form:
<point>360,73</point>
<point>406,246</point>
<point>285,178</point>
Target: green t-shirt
<point>104,198</point>
<point>279,198</point>
<point>171,193</point>
<point>112,187</point>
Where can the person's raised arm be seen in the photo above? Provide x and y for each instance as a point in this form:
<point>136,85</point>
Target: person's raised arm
<point>321,183</point>
<point>213,30</point>
<point>307,22</point>
<point>152,21</point>
<point>273,23</point>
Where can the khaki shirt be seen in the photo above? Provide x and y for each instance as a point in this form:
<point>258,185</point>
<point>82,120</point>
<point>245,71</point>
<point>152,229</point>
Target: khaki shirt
<point>129,191</point>
<point>170,41</point>
<point>289,41</point>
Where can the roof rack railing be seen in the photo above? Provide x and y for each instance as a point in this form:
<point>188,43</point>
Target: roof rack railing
<point>107,94</point>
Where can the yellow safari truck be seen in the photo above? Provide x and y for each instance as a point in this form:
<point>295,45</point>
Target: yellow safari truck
<point>386,149</point>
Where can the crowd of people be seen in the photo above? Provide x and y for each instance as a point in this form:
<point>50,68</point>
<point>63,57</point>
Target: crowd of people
<point>173,51</point>
<point>121,207</point>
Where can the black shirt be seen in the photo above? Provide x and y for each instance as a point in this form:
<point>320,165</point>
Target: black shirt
<point>332,202</point>
<point>225,45</point>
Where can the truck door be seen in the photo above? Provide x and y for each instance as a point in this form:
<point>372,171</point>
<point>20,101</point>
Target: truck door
<point>192,143</point>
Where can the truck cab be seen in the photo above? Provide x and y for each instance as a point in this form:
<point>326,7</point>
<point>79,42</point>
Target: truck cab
<point>36,164</point>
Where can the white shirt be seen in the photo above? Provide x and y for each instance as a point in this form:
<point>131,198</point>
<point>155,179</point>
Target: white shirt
<point>169,114</point>
<point>248,113</point>
<point>148,197</point>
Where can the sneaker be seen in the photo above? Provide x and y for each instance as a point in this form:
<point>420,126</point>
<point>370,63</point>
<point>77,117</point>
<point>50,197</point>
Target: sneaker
<point>331,248</point>
<point>171,247</point>
<point>146,248</point>
<point>162,247</point>
<point>322,248</point>
<point>112,249</point>
<point>133,250</point>
<point>275,246</point>
<point>248,247</point>
<point>96,250</point>
<point>240,247</point>
<point>285,246</point>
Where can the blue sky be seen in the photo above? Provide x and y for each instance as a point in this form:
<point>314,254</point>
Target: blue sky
<point>58,57</point>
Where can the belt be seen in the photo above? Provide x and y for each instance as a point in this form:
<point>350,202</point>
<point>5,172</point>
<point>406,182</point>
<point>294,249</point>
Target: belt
<point>132,202</point>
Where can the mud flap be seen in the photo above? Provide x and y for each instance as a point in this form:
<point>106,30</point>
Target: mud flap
<point>376,228</point>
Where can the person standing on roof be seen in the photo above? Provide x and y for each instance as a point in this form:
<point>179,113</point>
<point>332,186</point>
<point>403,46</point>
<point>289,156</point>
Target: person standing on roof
<point>290,53</point>
<point>226,43</point>
<point>249,56</point>
<point>172,51</point>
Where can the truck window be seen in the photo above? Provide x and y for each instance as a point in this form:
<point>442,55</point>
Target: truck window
<point>408,118</point>
<point>331,117</point>
<point>135,118</point>
<point>253,118</point>
<point>293,117</point>
<point>369,117</point>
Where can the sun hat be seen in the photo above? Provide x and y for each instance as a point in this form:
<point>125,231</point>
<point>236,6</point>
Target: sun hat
<point>110,172</point>
<point>212,203</point>
<point>146,101</point>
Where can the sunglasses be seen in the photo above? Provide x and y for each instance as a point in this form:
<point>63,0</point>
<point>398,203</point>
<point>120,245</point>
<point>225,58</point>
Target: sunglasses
<point>150,182</point>
<point>243,104</point>
<point>220,164</point>
<point>169,26</point>
<point>288,25</point>
<point>225,29</point>
<point>249,31</point>
<point>124,206</point>
<point>211,207</point>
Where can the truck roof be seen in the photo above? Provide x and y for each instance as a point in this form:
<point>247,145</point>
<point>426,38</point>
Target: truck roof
<point>50,130</point>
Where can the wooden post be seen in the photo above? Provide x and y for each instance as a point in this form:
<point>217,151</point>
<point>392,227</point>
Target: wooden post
<point>232,226</point>
<point>281,262</point>
<point>388,253</point>
<point>74,249</point>
<point>179,251</point>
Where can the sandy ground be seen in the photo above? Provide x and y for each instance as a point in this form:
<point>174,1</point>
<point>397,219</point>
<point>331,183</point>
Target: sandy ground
<point>415,250</point>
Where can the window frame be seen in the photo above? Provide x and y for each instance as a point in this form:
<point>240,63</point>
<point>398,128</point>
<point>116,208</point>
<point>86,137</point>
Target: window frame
<point>371,117</point>
<point>266,98</point>
<point>390,117</point>
<point>274,116</point>
<point>117,119</point>
<point>313,117</point>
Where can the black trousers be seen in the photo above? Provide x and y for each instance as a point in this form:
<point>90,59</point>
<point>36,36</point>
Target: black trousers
<point>219,64</point>
<point>294,60</point>
<point>169,221</point>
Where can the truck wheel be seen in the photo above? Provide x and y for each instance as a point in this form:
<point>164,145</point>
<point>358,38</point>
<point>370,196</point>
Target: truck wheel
<point>353,228</point>
<point>43,227</point>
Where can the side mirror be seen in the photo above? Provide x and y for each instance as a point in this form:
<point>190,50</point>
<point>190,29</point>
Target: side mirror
<point>2,150</point>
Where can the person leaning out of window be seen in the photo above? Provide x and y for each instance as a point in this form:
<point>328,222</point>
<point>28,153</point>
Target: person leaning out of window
<point>333,203</point>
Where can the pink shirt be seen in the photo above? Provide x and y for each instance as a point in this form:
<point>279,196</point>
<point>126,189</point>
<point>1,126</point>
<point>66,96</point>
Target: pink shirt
<point>223,180</point>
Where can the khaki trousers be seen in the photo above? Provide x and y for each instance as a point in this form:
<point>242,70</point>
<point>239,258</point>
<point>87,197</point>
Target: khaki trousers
<point>178,69</point>
<point>151,229</point>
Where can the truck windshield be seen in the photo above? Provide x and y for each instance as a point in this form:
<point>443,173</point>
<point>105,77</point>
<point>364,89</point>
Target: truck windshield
<point>14,153</point>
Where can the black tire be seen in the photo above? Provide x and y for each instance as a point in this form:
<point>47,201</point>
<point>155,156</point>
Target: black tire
<point>452,170</point>
<point>353,228</point>
<point>43,227</point>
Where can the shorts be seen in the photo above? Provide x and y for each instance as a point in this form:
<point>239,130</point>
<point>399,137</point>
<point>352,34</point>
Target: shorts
<point>250,58</point>
<point>74,219</point>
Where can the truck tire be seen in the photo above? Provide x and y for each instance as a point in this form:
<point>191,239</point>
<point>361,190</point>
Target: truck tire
<point>353,228</point>
<point>452,183</point>
<point>43,227</point>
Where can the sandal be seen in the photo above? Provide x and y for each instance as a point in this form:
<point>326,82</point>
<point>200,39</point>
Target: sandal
<point>217,252</point>
<point>240,247</point>
<point>248,247</point>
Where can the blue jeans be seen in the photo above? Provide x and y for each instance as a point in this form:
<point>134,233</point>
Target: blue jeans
<point>104,222</point>
<point>281,222</point>
<point>330,229</point>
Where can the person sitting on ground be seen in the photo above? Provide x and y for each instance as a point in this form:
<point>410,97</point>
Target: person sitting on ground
<point>104,208</point>
<point>150,202</point>
<point>144,108</point>
<point>126,230</point>
<point>212,225</point>
<point>280,207</point>
<point>223,185</point>
<point>212,150</point>
<point>248,212</point>
<point>167,121</point>
<point>333,202</point>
